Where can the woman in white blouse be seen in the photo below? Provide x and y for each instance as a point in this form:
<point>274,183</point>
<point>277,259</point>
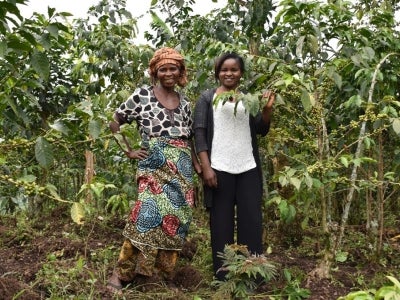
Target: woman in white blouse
<point>226,144</point>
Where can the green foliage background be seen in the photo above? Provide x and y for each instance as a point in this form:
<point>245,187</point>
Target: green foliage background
<point>330,160</point>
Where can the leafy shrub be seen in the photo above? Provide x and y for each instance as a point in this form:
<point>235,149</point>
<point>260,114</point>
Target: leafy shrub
<point>245,272</point>
<point>386,292</point>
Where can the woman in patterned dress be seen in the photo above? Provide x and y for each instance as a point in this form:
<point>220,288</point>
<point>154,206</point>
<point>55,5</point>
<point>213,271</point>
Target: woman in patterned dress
<point>159,221</point>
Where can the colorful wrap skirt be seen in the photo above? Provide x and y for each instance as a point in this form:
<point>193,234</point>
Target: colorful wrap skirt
<point>162,213</point>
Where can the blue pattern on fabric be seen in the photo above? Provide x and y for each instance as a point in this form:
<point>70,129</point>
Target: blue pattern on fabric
<point>183,230</point>
<point>184,165</point>
<point>174,193</point>
<point>154,161</point>
<point>149,216</point>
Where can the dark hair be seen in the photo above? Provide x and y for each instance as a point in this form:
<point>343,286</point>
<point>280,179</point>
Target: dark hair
<point>219,62</point>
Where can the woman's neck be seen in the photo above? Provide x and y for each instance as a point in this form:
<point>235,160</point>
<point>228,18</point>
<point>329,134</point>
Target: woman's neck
<point>165,90</point>
<point>167,97</point>
<point>222,89</point>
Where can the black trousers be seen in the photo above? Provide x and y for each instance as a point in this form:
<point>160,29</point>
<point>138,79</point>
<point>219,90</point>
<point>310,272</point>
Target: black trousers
<point>237,204</point>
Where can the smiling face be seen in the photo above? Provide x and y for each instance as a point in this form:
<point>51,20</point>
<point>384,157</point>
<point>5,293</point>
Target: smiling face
<point>229,74</point>
<point>168,75</point>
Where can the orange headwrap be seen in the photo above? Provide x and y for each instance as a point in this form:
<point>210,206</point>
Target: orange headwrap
<point>168,56</point>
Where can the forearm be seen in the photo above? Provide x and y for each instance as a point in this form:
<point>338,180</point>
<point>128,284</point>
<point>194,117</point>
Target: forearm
<point>204,160</point>
<point>115,127</point>
<point>195,160</point>
<point>267,114</point>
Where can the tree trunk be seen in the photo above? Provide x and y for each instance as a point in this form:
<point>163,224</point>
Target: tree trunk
<point>380,195</point>
<point>357,155</point>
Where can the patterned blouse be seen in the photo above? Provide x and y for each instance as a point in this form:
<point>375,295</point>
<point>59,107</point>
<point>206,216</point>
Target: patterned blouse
<point>153,118</point>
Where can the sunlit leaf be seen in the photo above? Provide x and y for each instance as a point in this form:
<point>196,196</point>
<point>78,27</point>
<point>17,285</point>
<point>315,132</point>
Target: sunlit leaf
<point>53,30</point>
<point>295,182</point>
<point>159,22</point>
<point>299,46</point>
<point>60,126</point>
<point>77,213</point>
<point>396,125</point>
<point>341,256</point>
<point>344,161</point>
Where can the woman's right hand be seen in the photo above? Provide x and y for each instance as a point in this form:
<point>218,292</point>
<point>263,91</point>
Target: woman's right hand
<point>137,154</point>
<point>209,177</point>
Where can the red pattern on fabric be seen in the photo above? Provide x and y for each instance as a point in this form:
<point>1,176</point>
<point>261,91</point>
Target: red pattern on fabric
<point>178,142</point>
<point>149,182</point>
<point>135,211</point>
<point>170,225</point>
<point>190,197</point>
<point>143,183</point>
<point>155,187</point>
<point>172,166</point>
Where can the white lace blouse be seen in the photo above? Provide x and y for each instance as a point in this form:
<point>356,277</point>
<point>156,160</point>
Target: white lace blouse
<point>232,151</point>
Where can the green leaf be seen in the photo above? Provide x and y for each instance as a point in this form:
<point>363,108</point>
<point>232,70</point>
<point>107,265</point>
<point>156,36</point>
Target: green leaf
<point>53,30</point>
<point>3,49</point>
<point>288,79</point>
<point>251,103</point>
<point>387,292</point>
<point>396,125</point>
<point>306,100</point>
<point>41,65</point>
<point>312,42</point>
<point>18,44</point>
<point>337,79</point>
<point>344,161</point>
<point>367,142</point>
<point>94,128</point>
<point>77,213</point>
<point>308,180</point>
<point>341,256</point>
<point>43,152</point>
<point>295,182</point>
<point>12,104</point>
<point>357,162</point>
<point>59,125</point>
<point>159,22</point>
<point>355,100</point>
<point>28,178</point>
<point>299,46</point>
<point>395,282</point>
<point>368,53</point>
<point>359,295</point>
<point>53,191</point>
<point>97,189</point>
<point>317,183</point>
<point>28,36</point>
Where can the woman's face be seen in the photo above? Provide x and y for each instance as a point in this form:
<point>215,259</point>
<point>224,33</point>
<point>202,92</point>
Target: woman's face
<point>168,75</point>
<point>230,74</point>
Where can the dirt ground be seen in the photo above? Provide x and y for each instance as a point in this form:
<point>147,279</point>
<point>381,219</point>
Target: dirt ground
<point>23,254</point>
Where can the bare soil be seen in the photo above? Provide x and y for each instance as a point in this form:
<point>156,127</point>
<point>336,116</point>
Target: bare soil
<point>25,251</point>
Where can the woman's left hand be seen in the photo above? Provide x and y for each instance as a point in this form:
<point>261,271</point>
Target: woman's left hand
<point>270,95</point>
